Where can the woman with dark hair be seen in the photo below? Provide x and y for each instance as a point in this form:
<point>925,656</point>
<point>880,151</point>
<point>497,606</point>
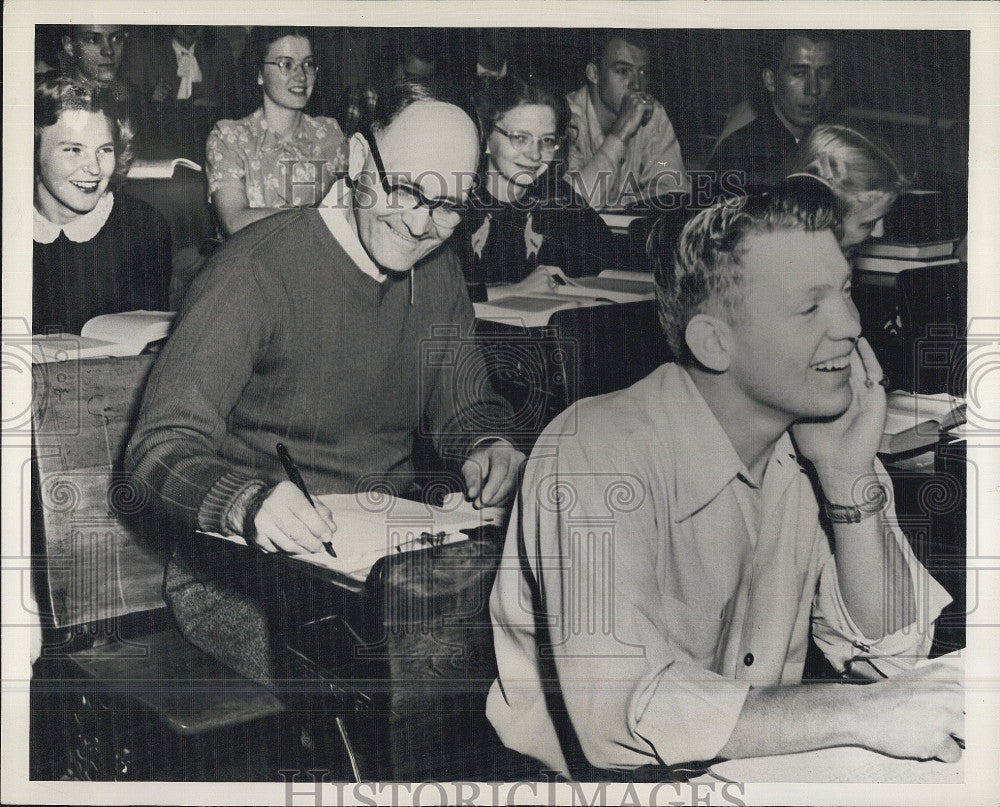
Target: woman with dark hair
<point>522,215</point>
<point>278,157</point>
<point>95,251</point>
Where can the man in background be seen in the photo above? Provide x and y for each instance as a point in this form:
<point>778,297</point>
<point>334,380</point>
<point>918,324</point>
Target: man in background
<point>800,82</point>
<point>622,145</point>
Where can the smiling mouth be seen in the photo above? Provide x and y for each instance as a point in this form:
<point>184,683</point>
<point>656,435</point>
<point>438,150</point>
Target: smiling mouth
<point>833,365</point>
<point>86,187</point>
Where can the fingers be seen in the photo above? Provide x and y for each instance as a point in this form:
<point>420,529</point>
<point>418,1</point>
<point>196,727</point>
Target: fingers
<point>872,369</point>
<point>500,482</point>
<point>491,474</point>
<point>473,476</point>
<point>287,522</point>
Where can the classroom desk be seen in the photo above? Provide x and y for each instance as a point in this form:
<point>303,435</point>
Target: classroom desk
<point>405,659</point>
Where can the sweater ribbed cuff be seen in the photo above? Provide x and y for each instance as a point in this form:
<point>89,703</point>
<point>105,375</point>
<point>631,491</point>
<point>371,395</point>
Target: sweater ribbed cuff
<point>230,492</point>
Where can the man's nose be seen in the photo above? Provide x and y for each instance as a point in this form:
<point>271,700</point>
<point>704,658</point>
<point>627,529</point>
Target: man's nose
<point>846,324</point>
<point>812,84</point>
<point>417,220</point>
<point>106,47</point>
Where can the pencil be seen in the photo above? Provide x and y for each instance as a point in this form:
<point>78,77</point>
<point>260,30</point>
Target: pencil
<point>292,472</point>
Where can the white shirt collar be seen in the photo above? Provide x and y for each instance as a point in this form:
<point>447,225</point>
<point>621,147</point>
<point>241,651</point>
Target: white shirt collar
<point>337,210</point>
<point>80,229</point>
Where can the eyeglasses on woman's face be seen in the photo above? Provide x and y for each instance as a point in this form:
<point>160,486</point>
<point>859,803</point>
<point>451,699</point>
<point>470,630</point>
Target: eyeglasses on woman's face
<point>406,196</point>
<point>287,66</point>
<point>523,141</point>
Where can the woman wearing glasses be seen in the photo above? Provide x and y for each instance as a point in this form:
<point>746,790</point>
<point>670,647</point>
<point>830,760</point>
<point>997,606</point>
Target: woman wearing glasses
<point>522,216</point>
<point>278,157</point>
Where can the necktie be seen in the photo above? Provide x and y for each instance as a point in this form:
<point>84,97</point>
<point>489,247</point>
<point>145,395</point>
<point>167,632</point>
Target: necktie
<point>187,69</point>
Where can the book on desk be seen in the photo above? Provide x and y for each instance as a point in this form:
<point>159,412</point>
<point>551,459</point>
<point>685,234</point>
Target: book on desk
<point>127,333</point>
<point>160,169</point>
<point>914,423</point>
<point>536,308</point>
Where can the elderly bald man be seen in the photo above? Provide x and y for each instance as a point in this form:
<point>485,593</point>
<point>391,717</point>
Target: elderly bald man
<point>305,328</point>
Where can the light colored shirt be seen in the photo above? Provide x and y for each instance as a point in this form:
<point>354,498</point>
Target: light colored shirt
<point>610,173</point>
<point>78,230</point>
<point>247,153</point>
<point>671,582</point>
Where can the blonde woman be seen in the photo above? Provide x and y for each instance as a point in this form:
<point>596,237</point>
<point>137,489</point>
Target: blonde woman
<point>862,173</point>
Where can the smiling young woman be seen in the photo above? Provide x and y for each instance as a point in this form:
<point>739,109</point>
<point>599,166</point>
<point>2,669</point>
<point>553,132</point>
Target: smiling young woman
<point>522,214</point>
<point>249,160</point>
<point>95,251</point>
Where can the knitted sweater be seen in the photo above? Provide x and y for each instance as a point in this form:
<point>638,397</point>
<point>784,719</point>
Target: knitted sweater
<point>284,338</point>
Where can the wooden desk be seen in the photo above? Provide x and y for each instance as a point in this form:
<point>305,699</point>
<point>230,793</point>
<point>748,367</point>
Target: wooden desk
<point>406,659</point>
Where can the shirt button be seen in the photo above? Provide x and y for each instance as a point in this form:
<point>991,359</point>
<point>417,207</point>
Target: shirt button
<point>748,659</point>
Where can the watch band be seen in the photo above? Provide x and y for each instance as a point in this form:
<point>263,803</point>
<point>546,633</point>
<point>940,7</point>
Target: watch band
<point>854,513</point>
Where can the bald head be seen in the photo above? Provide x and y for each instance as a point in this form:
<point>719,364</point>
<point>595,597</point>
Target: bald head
<point>431,137</point>
<point>429,149</point>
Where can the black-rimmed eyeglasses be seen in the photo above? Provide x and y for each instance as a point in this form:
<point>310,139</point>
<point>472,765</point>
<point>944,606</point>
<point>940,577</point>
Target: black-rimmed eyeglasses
<point>406,196</point>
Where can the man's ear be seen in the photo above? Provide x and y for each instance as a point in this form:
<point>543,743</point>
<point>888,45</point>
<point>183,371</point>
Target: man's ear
<point>710,341</point>
<point>67,44</point>
<point>593,73</point>
<point>357,155</point>
<point>767,76</point>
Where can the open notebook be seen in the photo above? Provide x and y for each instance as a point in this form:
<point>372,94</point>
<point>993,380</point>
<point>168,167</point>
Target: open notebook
<point>533,309</point>
<point>371,528</point>
<point>127,333</point>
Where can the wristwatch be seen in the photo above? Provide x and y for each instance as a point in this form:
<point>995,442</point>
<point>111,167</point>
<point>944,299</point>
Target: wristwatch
<point>854,513</point>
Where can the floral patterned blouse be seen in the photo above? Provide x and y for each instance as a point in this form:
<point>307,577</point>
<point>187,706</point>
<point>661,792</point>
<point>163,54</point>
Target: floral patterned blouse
<point>248,153</point>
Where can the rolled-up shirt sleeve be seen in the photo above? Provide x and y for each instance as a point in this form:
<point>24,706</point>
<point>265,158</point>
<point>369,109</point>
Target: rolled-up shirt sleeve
<point>839,637</point>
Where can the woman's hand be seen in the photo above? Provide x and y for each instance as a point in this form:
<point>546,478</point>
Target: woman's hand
<point>540,281</point>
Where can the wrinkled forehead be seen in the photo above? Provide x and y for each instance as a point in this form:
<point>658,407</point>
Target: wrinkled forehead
<point>433,142</point>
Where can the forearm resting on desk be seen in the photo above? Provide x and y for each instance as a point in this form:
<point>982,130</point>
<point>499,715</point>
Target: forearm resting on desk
<point>914,715</point>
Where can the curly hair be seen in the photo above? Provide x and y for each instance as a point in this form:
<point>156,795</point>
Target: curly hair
<point>53,96</point>
<point>700,270</point>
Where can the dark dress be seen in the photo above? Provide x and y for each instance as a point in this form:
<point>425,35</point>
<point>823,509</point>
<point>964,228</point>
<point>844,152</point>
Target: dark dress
<point>551,225</point>
<point>125,267</point>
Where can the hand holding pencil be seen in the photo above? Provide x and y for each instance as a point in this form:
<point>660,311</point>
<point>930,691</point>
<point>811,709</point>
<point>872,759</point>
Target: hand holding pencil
<point>290,521</point>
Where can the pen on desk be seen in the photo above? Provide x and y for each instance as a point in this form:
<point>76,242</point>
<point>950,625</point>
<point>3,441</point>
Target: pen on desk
<point>292,471</point>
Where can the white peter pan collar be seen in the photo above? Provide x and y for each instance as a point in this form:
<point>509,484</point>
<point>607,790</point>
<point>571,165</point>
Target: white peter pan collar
<point>80,229</point>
